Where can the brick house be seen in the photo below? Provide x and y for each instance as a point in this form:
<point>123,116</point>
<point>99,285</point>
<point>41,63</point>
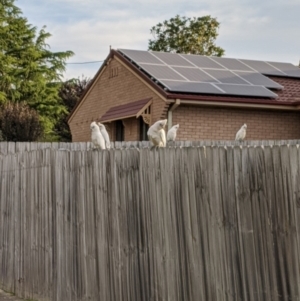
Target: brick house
<point>209,97</point>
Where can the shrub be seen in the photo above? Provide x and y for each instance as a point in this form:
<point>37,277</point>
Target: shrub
<point>18,122</point>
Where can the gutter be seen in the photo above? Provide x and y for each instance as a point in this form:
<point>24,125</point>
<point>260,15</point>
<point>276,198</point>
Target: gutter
<point>286,107</point>
<point>203,100</point>
<point>236,102</point>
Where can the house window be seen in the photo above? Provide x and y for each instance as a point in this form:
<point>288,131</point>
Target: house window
<point>143,130</point>
<point>119,130</point>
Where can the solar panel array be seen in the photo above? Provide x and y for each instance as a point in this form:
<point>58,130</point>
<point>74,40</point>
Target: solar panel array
<point>211,75</point>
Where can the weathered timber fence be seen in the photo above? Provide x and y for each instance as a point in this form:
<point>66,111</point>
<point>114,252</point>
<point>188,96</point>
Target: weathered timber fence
<point>16,147</point>
<point>193,223</point>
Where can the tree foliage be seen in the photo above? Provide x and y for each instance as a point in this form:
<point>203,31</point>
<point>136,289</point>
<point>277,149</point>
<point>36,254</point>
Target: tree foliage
<point>29,71</point>
<point>70,92</point>
<point>19,123</point>
<point>186,35</point>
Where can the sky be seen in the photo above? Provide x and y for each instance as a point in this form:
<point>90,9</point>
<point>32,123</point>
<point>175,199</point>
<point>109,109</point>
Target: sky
<point>259,30</point>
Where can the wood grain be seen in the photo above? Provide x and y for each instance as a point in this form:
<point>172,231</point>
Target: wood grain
<point>198,221</point>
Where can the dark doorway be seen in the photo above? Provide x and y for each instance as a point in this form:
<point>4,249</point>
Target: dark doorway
<point>143,130</point>
<point>119,130</point>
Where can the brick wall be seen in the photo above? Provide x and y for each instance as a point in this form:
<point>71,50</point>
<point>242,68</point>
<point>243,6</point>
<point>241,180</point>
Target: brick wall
<point>116,85</point>
<point>196,123</point>
<point>132,129</point>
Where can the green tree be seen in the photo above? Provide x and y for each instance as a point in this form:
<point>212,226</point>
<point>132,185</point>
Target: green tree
<point>70,92</point>
<point>19,123</point>
<point>29,71</point>
<point>186,35</point>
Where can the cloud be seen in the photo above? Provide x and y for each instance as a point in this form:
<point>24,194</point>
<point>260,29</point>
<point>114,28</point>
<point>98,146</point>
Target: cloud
<point>248,29</point>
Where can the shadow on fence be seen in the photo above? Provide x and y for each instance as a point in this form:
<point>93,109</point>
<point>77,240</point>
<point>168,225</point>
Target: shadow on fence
<point>191,223</point>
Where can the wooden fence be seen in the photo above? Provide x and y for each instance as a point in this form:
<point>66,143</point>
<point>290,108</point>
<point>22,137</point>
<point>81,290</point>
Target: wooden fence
<point>209,223</point>
<point>16,147</point>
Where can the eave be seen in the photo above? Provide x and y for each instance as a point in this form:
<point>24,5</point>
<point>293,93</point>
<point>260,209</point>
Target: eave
<point>211,100</point>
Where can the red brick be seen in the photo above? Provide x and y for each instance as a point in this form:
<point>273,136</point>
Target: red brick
<point>195,122</point>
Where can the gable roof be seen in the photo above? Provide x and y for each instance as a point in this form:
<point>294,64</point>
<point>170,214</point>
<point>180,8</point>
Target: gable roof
<point>276,78</point>
<point>198,74</point>
<point>132,109</point>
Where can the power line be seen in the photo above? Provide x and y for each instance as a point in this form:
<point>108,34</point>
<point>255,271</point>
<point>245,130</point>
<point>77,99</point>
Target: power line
<point>91,62</point>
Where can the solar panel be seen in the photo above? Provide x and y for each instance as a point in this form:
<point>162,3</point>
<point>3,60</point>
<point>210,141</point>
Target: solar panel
<point>226,77</point>
<point>211,75</point>
<point>194,74</point>
<point>141,56</point>
<point>202,61</point>
<point>262,67</point>
<point>161,72</point>
<point>172,59</point>
<point>246,90</point>
<point>191,87</point>
<point>256,78</point>
<point>218,89</point>
<point>231,64</point>
<point>287,68</point>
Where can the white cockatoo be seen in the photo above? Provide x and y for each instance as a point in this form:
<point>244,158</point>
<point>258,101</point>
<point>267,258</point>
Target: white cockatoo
<point>104,134</point>
<point>157,134</point>
<point>241,134</point>
<point>172,132</point>
<point>96,136</point>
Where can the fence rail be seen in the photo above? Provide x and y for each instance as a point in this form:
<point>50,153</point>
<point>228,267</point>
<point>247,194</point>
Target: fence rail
<point>191,223</point>
<point>17,147</point>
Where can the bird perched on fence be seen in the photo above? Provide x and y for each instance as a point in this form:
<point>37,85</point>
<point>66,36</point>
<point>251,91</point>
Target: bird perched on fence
<point>172,132</point>
<point>96,136</point>
<point>241,134</point>
<point>104,134</point>
<point>157,134</point>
